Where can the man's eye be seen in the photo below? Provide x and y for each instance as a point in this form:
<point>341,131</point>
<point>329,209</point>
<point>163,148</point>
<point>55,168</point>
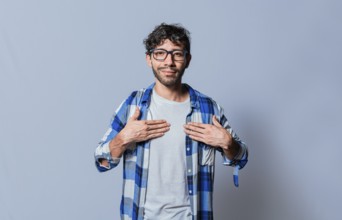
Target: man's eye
<point>159,53</point>
<point>178,54</point>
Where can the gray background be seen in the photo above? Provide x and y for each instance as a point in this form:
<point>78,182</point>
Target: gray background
<point>275,66</point>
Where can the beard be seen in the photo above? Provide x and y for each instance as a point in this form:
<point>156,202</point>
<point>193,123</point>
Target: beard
<point>168,81</point>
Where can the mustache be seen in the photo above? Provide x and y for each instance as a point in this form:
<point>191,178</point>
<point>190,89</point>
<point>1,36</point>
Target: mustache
<point>169,68</point>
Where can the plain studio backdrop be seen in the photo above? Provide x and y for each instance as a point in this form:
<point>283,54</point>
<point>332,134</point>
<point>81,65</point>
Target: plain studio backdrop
<point>275,66</point>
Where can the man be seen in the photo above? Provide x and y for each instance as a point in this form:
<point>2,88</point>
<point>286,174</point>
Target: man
<point>167,136</point>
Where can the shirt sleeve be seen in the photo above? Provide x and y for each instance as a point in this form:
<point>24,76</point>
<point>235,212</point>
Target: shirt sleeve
<point>102,151</point>
<point>241,158</point>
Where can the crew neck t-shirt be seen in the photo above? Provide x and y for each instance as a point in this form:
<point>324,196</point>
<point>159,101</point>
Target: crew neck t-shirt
<point>167,194</point>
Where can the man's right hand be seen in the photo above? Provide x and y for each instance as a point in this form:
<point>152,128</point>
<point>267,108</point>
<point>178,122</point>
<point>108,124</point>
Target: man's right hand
<point>143,130</point>
<point>137,131</point>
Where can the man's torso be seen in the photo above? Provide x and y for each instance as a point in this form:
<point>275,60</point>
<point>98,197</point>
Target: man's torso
<point>167,195</point>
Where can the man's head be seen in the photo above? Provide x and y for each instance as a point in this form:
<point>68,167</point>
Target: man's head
<point>174,32</point>
<point>168,53</point>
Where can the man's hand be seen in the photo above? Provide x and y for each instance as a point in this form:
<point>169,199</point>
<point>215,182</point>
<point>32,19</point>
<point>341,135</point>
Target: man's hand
<point>214,135</point>
<point>136,131</point>
<point>142,130</point>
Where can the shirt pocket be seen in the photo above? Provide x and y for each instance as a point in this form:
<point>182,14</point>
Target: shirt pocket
<point>206,154</point>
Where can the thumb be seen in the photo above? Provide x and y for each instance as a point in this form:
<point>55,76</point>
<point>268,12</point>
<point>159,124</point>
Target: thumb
<point>215,121</point>
<point>136,114</point>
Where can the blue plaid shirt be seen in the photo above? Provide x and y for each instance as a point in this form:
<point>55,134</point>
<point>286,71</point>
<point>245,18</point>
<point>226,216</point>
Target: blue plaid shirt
<point>200,158</point>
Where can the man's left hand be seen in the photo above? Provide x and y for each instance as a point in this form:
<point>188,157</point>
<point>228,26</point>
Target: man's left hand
<point>214,135</point>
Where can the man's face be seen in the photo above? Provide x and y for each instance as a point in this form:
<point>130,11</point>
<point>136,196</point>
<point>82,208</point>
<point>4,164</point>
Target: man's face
<point>170,71</point>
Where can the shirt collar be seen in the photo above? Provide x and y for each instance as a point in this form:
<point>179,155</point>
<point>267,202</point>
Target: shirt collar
<point>146,98</point>
<point>194,100</point>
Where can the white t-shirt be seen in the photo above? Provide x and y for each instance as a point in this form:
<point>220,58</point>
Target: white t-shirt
<point>167,194</point>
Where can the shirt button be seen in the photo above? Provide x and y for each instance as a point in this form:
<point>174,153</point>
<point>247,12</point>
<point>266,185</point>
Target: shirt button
<point>189,170</point>
<point>190,191</point>
<point>188,149</point>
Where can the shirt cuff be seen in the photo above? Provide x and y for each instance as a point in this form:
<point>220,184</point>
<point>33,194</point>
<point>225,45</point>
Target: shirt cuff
<point>112,161</point>
<point>238,159</point>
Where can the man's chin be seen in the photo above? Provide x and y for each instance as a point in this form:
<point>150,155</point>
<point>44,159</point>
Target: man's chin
<point>168,80</point>
<point>169,83</point>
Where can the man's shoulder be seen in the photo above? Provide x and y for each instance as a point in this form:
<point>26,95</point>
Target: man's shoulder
<point>205,104</point>
<point>139,95</point>
<point>201,97</point>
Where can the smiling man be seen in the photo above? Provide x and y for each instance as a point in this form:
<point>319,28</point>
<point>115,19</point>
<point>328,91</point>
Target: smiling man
<point>167,136</point>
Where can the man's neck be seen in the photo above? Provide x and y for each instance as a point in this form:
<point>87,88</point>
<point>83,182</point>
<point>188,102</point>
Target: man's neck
<point>177,93</point>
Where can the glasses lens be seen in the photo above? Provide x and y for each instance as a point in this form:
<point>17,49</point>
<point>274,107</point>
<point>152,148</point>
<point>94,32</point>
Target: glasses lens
<point>159,54</point>
<point>178,55</point>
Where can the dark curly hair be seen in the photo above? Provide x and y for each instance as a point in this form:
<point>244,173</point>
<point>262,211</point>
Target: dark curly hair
<point>174,32</point>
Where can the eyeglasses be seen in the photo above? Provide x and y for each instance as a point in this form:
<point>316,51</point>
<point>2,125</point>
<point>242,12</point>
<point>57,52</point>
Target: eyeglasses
<point>161,54</point>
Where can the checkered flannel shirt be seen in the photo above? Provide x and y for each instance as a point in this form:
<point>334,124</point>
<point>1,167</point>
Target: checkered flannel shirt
<point>200,158</point>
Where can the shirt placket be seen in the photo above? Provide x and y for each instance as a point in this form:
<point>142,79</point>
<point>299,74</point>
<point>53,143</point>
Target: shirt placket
<point>191,164</point>
<point>144,155</point>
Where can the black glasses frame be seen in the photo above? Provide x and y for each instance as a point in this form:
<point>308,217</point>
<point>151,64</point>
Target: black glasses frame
<point>185,52</point>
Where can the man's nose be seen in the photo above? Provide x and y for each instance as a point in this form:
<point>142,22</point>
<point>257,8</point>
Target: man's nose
<point>169,59</point>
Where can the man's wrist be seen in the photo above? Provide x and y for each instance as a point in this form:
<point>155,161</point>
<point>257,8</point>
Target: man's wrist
<point>117,146</point>
<point>232,150</point>
<point>228,142</point>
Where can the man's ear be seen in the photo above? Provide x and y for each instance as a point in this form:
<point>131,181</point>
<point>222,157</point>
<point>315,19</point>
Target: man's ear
<point>148,60</point>
<point>188,59</point>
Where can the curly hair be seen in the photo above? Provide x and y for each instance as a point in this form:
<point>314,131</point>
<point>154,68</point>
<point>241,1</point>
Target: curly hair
<point>173,32</point>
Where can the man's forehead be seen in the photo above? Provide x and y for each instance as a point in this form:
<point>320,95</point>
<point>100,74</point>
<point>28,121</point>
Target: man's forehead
<point>169,42</point>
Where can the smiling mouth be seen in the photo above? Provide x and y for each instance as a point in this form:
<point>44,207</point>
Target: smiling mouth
<point>167,69</point>
<point>169,72</point>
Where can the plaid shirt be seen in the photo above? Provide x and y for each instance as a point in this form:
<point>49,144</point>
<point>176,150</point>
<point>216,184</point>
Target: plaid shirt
<point>200,158</point>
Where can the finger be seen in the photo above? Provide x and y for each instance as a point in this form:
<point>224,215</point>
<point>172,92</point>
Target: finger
<point>153,122</point>
<point>191,128</point>
<point>194,133</point>
<point>136,114</point>
<point>187,129</point>
<point>157,126</point>
<point>152,136</point>
<point>198,125</point>
<point>196,138</point>
<point>160,130</point>
<point>215,121</point>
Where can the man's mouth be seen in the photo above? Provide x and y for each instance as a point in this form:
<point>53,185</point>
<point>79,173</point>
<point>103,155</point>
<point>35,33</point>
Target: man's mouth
<point>168,71</point>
